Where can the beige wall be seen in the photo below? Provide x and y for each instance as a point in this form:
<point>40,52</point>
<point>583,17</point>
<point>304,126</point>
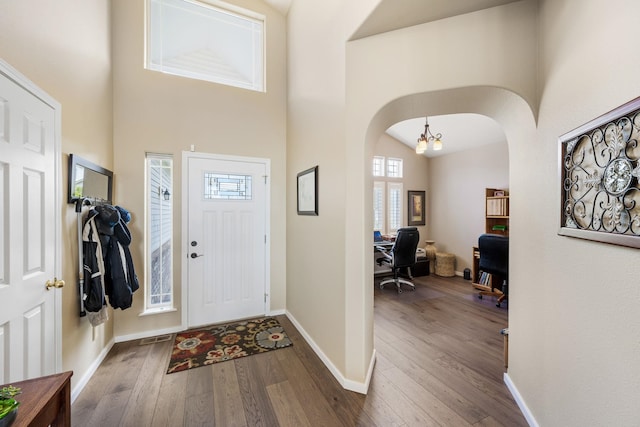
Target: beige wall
<point>382,90</point>
<point>575,355</point>
<point>456,197</point>
<point>155,112</point>
<point>315,136</point>
<point>64,48</point>
<point>415,174</point>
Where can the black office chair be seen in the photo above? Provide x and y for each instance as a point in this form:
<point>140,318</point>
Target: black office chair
<point>401,255</point>
<point>494,259</point>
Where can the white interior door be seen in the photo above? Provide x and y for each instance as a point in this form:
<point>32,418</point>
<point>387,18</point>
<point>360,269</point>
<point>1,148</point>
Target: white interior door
<point>29,230</point>
<point>227,239</point>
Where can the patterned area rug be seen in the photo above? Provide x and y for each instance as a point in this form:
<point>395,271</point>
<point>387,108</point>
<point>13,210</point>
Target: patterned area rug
<point>218,343</point>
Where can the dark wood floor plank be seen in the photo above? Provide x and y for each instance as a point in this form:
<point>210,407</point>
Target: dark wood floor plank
<point>287,405</point>
<point>439,362</point>
<point>418,395</point>
<point>257,407</point>
<point>142,401</point>
<point>378,406</point>
<point>347,405</point>
<point>488,422</point>
<point>447,395</point>
<point>199,411</point>
<point>227,402</point>
<point>108,412</point>
<point>302,383</point>
<point>170,405</point>
<point>269,367</point>
<point>398,409</point>
<point>117,377</point>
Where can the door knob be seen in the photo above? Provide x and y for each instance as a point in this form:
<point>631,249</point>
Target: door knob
<point>195,255</point>
<point>55,283</point>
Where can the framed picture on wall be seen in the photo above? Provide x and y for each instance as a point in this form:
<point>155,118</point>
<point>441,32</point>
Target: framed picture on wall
<point>600,178</point>
<point>416,208</point>
<point>308,192</point>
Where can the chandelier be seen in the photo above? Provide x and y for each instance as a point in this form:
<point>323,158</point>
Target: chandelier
<point>428,137</point>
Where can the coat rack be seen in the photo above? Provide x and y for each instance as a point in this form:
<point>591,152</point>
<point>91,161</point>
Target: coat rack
<point>80,203</point>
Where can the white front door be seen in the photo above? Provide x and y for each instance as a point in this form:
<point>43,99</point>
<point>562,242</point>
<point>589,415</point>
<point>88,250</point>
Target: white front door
<point>29,230</point>
<point>227,238</point>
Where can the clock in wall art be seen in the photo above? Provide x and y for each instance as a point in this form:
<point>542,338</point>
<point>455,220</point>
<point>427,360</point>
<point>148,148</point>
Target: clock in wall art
<point>600,174</point>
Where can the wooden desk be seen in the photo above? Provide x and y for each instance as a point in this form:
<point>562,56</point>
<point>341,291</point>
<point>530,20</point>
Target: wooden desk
<point>44,401</point>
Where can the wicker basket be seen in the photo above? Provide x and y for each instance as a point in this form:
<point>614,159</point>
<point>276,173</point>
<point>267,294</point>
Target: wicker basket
<point>445,264</point>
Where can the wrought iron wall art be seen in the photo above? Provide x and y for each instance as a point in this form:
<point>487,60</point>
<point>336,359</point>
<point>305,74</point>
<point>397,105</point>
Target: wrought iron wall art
<point>600,175</point>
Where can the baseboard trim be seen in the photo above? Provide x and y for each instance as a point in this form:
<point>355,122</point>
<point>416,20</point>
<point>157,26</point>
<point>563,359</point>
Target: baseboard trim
<point>362,388</point>
<point>521,404</point>
<point>358,387</point>
<point>148,334</point>
<point>80,385</point>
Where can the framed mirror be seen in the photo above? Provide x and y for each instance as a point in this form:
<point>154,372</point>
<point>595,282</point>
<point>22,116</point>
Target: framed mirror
<point>86,179</point>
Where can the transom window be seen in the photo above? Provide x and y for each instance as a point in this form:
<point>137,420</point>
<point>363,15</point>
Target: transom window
<point>378,166</point>
<point>394,168</point>
<point>206,41</point>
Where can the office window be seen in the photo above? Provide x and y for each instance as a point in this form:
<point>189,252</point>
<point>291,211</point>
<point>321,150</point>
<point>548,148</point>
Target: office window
<point>206,41</point>
<point>159,236</point>
<point>394,168</point>
<point>378,166</point>
<point>378,206</point>
<point>394,208</point>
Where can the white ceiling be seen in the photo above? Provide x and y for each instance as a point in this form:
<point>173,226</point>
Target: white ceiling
<point>459,132</point>
<point>392,15</point>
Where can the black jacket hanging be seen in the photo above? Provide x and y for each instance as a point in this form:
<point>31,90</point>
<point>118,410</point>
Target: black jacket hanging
<point>109,268</point>
<point>93,292</point>
<point>121,280</point>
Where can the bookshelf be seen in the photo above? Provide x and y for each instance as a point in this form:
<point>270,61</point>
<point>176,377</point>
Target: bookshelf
<point>497,211</point>
<point>496,222</point>
<point>480,279</point>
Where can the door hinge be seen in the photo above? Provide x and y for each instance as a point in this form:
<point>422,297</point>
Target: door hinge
<point>265,297</point>
<point>265,239</point>
<point>265,178</point>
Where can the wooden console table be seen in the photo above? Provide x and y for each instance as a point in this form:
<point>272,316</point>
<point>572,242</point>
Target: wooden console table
<point>44,401</point>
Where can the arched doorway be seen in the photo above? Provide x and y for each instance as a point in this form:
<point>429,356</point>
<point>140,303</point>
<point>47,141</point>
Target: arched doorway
<point>507,108</point>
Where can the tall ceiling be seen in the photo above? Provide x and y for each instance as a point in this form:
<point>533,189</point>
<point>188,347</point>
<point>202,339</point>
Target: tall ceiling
<point>392,15</point>
<point>459,131</point>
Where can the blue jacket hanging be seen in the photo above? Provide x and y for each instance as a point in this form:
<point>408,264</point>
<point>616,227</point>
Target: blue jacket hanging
<point>110,256</point>
<point>121,280</point>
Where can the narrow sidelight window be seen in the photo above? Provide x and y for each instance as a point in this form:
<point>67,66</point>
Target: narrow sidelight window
<point>159,233</point>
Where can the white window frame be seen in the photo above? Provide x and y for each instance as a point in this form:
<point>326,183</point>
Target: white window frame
<point>379,210</point>
<point>394,167</point>
<point>395,205</point>
<point>154,189</point>
<point>240,64</point>
<point>378,166</point>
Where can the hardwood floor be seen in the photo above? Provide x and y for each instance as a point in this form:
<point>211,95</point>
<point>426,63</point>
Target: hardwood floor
<point>439,363</point>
